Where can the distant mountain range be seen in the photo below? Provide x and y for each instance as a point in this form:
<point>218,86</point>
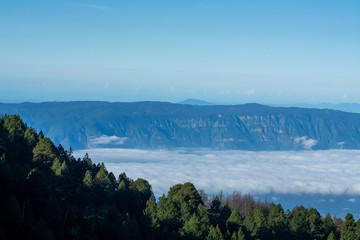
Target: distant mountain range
<point>149,125</point>
<point>192,101</point>
<point>346,107</point>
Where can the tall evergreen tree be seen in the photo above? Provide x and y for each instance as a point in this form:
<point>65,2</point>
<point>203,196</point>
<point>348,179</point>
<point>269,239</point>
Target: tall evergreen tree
<point>255,222</point>
<point>331,236</point>
<point>101,178</point>
<point>277,222</point>
<point>44,151</point>
<point>88,181</point>
<point>192,229</point>
<point>215,234</point>
<point>348,228</point>
<point>299,223</point>
<point>330,227</point>
<point>317,230</point>
<point>234,222</point>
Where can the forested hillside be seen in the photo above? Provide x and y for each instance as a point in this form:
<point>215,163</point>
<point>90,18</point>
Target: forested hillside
<point>48,194</point>
<point>155,125</point>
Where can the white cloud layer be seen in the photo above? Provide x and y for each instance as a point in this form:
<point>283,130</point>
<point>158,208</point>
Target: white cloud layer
<point>106,140</point>
<point>283,172</point>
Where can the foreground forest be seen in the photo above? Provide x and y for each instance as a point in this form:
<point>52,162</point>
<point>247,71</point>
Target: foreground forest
<point>48,194</point>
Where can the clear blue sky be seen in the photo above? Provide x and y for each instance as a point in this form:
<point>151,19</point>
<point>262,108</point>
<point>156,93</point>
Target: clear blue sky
<point>225,51</point>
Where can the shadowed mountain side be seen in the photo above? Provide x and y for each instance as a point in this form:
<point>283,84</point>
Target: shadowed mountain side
<point>166,125</point>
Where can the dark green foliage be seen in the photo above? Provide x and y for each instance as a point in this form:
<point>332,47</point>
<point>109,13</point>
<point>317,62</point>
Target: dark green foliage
<point>152,222</point>
<point>44,151</point>
<point>59,168</point>
<point>45,193</point>
<point>88,181</point>
<point>101,178</point>
<point>234,222</point>
<point>194,228</point>
<point>316,224</point>
<point>348,228</point>
<point>330,227</point>
<point>187,199</point>
<point>238,235</point>
<point>331,236</point>
<point>277,222</point>
<point>215,234</point>
<point>299,223</point>
<point>357,229</point>
<point>255,223</point>
<point>219,214</point>
<point>215,211</point>
<point>142,191</point>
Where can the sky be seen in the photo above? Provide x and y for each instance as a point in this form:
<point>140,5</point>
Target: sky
<point>230,52</point>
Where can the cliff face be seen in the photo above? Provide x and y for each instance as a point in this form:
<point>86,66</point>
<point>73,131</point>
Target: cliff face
<point>166,125</point>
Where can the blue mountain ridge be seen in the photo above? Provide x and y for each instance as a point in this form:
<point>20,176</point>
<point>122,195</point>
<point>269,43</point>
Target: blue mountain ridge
<point>153,125</point>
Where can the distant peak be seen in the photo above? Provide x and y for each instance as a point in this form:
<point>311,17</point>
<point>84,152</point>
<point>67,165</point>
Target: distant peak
<point>192,101</point>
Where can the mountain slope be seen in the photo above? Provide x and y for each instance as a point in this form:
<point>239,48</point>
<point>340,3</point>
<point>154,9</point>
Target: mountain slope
<point>167,125</point>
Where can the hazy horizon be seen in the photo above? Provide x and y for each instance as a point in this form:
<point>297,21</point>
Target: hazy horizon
<point>227,52</point>
<point>16,101</point>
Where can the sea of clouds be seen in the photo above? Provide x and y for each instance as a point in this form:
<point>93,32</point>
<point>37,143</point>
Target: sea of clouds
<point>330,172</point>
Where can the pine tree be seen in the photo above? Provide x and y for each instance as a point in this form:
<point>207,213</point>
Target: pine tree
<point>299,223</point>
<point>277,222</point>
<point>215,234</point>
<point>150,213</point>
<point>256,223</point>
<point>234,222</point>
<point>122,186</point>
<point>316,224</point>
<point>44,151</point>
<point>88,181</point>
<point>357,229</point>
<point>56,167</point>
<point>31,137</point>
<point>240,234</point>
<point>234,236</point>
<point>101,178</point>
<point>64,169</point>
<point>331,236</point>
<point>186,198</point>
<point>192,229</point>
<point>348,228</point>
<point>329,226</point>
<point>215,211</point>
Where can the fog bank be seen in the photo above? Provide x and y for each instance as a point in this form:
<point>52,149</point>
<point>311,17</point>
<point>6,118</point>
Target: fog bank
<point>333,172</point>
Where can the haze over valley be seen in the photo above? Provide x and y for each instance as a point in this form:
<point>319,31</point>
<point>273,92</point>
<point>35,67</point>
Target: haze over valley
<point>326,179</point>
